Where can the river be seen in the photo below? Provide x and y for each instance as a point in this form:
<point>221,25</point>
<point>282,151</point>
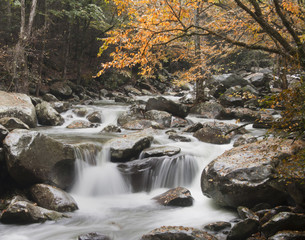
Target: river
<point>105,198</point>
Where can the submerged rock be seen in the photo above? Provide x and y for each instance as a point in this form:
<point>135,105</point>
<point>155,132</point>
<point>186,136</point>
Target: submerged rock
<point>179,196</point>
<point>53,198</point>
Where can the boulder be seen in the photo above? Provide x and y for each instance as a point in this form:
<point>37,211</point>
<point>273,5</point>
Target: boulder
<point>243,229</point>
<point>32,157</point>
<point>288,235</point>
<point>78,124</point>
<point>11,123</point>
<point>244,139</point>
<point>47,115</point>
<point>61,90</point>
<point>228,80</point>
<point>60,106</point>
<point>48,97</point>
<point>94,117</point>
<point>125,148</point>
<point>19,106</point>
<point>232,98</point>
<point>52,198</point>
<point>163,104</point>
<point>160,151</point>
<point>93,236</point>
<point>245,213</point>
<point>24,212</point>
<point>193,128</point>
<point>260,80</point>
<point>179,138</point>
<point>217,132</point>
<point>217,226</point>
<point>177,233</point>
<point>111,128</point>
<point>131,90</point>
<point>161,117</point>
<point>141,124</point>
<point>134,113</point>
<point>3,133</point>
<point>180,197</point>
<point>242,175</point>
<point>178,122</point>
<point>242,114</point>
<point>209,109</point>
<point>81,112</point>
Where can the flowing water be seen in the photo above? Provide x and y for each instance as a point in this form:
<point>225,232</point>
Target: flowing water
<point>106,199</point>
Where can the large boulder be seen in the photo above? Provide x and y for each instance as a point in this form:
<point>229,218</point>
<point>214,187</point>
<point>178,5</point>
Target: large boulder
<point>242,175</point>
<point>61,90</point>
<point>53,198</point>
<point>134,113</point>
<point>160,151</point>
<point>32,157</point>
<point>3,133</point>
<point>19,106</point>
<point>209,109</point>
<point>163,104</point>
<point>12,123</point>
<point>161,117</point>
<point>47,115</point>
<point>178,196</point>
<point>141,124</point>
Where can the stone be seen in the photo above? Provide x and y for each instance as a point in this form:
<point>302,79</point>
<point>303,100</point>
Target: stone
<point>93,236</point>
<point>11,123</point>
<point>243,229</point>
<point>209,109</point>
<point>94,117</point>
<point>178,122</point>
<point>177,233</point>
<point>160,151</point>
<point>134,113</point>
<point>244,139</point>
<point>81,112</point>
<point>288,235</point>
<point>48,97</point>
<point>141,124</point>
<point>33,157</point>
<point>163,104</point>
<point>131,90</point>
<point>52,198</point>
<point>60,106</point>
<point>180,197</point>
<point>19,106</point>
<point>193,128</point>
<point>242,114</point>
<point>245,213</point>
<point>217,226</point>
<point>61,90</point>
<point>47,115</point>
<point>161,117</point>
<point>179,138</point>
<point>78,124</point>
<point>111,128</point>
<point>242,175</point>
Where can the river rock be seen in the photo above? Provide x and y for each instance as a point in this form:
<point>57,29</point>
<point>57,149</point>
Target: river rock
<point>245,213</point>
<point>242,114</point>
<point>242,175</point>
<point>193,128</point>
<point>134,113</point>
<point>229,80</point>
<point>288,235</point>
<point>179,138</point>
<point>178,122</point>
<point>209,109</point>
<point>19,106</point>
<point>131,90</point>
<point>177,233</point>
<point>48,97</point>
<point>284,221</point>
<point>161,117</point>
<point>260,80</point>
<point>125,148</point>
<point>217,226</point>
<point>78,124</point>
<point>264,121</point>
<point>111,128</point>
<point>12,123</point>
<point>141,124</point>
<point>47,115</point>
<point>163,104</point>
<point>60,106</point>
<point>232,98</point>
<point>24,212</point>
<point>32,157</point>
<point>3,133</point>
<point>52,198</point>
<point>81,112</point>
<point>160,151</point>
<point>94,117</point>
<point>243,229</point>
<point>180,197</point>
<point>93,236</point>
<point>244,139</point>
<point>61,90</point>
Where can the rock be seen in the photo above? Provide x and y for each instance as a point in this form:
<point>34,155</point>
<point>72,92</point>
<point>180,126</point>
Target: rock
<point>284,221</point>
<point>134,113</point>
<point>229,80</point>
<point>242,175</point>
<point>232,98</point>
<point>81,112</point>
<point>242,114</point>
<point>11,123</point>
<point>209,109</point>
<point>245,213</point>
<point>180,197</point>
<point>47,115</point>
<point>178,122</point>
<point>161,117</point>
<point>162,104</point>
<point>60,106</point>
<point>93,236</point>
<point>32,157</point>
<point>177,233</point>
<point>160,151</point>
<point>52,198</point>
<point>24,212</point>
<point>217,226</point>
<point>141,124</point>
<point>125,148</point>
<point>19,106</point>
<point>244,139</point>
<point>264,121</point>
<point>260,80</point>
<point>61,90</point>
<point>111,128</point>
<point>131,90</point>
<point>193,128</point>
<point>288,235</point>
<point>243,229</point>
<point>94,117</point>
<point>215,132</point>
<point>179,138</point>
<point>49,98</point>
<point>77,124</point>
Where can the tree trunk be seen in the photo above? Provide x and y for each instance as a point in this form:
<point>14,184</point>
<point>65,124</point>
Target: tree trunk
<point>67,50</point>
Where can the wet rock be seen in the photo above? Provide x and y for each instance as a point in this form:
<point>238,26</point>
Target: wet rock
<point>125,148</point>
<point>243,229</point>
<point>111,128</point>
<point>94,117</point>
<point>141,124</point>
<point>260,80</point>
<point>288,235</point>
<point>134,113</point>
<point>177,233</point>
<point>244,139</point>
<point>11,123</point>
<point>49,98</point>
<point>193,128</point>
<point>160,151</point>
<point>32,157</point>
<point>24,212</point>
<point>216,132</point>
<point>93,236</point>
<point>209,109</point>
<point>264,121</point>
<point>178,122</point>
<point>242,114</point>
<point>163,104</point>
<point>229,80</point>
<point>161,117</point>
<point>284,221</point>
<point>179,138</point>
<point>242,175</point>
<point>245,212</point>
<point>77,124</point>
<point>61,90</point>
<point>81,112</point>
<point>60,106</point>
<point>131,90</point>
<point>180,197</point>
<point>47,115</point>
<point>19,106</point>
<point>53,198</point>
<point>232,98</point>
<point>217,226</point>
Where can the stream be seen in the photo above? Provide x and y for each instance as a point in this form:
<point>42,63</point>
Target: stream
<point>107,203</point>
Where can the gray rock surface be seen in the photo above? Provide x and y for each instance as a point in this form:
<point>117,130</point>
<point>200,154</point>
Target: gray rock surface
<point>47,115</point>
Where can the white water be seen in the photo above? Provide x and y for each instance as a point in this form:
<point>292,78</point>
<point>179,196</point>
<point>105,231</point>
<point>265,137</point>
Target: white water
<point>106,203</point>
